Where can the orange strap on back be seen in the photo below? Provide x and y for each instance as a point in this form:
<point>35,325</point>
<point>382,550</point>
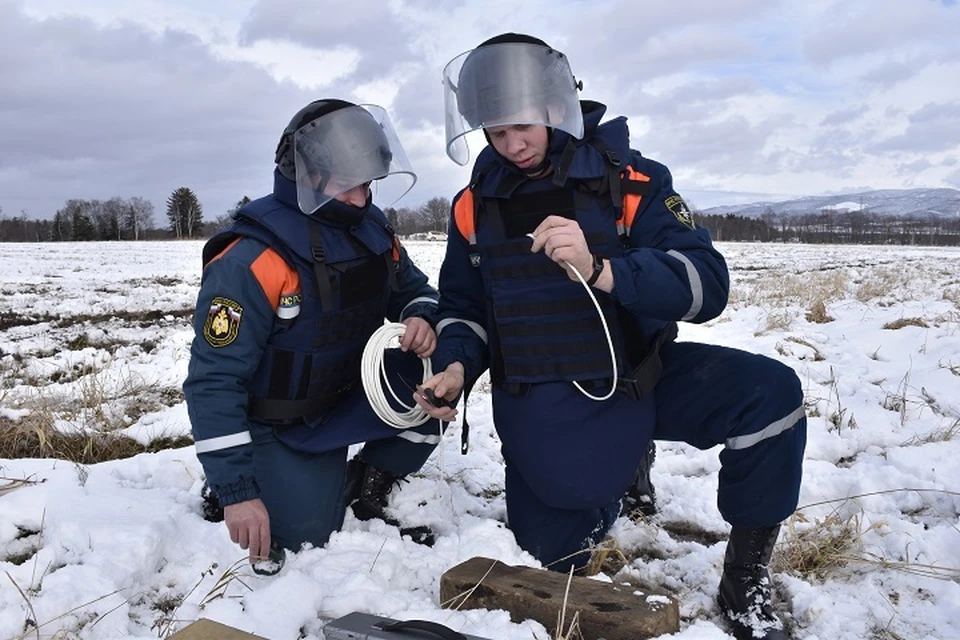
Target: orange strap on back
<point>395,250</point>
<point>464,213</point>
<point>631,201</point>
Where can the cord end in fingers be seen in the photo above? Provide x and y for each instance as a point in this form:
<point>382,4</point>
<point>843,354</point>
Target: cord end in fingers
<point>434,400</point>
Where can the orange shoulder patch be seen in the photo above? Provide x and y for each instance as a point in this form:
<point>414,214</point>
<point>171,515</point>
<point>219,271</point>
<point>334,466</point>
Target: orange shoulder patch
<point>277,278</point>
<point>463,215</point>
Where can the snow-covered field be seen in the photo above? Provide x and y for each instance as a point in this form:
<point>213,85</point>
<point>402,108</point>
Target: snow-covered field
<point>97,336</point>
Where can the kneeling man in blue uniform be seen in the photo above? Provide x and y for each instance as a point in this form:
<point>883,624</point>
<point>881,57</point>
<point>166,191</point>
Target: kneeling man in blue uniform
<point>291,292</point>
<point>569,262</point>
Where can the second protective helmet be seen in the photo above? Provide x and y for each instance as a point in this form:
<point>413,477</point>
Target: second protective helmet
<point>332,146</point>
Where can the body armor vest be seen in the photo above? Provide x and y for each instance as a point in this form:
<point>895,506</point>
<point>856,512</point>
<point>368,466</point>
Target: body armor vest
<point>547,327</point>
<point>312,357</point>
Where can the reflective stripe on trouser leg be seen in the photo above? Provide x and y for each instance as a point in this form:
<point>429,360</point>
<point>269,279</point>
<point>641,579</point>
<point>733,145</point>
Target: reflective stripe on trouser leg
<point>407,451</point>
<point>710,395</point>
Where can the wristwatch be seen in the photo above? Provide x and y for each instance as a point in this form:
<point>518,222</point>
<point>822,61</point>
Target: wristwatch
<point>597,269</point>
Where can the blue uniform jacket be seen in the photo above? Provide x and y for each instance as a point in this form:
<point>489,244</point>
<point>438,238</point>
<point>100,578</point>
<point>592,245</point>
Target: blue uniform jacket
<point>572,452</point>
<point>249,295</point>
<point>669,272</point>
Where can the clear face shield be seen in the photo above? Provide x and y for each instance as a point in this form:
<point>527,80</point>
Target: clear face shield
<point>349,148</point>
<point>505,84</point>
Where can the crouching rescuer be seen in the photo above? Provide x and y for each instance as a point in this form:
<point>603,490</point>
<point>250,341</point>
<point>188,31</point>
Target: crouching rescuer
<point>570,260</point>
<point>291,292</point>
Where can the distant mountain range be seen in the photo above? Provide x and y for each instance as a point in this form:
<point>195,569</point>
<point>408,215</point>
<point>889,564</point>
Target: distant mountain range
<point>893,202</point>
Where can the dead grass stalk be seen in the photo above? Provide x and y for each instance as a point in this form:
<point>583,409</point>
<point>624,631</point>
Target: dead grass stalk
<point>820,548</point>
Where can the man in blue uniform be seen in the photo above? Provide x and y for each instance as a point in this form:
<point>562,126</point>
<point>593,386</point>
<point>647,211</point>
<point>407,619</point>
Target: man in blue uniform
<point>290,294</point>
<point>569,262</point>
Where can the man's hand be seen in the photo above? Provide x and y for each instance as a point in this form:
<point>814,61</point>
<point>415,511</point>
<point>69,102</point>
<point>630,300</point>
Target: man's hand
<point>419,337</point>
<point>563,242</point>
<point>249,526</point>
<point>447,385</point>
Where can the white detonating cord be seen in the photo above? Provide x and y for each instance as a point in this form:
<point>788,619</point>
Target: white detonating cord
<point>606,332</point>
<point>373,375</point>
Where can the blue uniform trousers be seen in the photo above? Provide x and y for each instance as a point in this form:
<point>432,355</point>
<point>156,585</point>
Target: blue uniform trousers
<point>708,395</point>
<point>301,471</point>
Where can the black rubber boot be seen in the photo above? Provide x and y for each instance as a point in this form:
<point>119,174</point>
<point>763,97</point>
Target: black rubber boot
<point>641,497</point>
<point>212,511</point>
<point>367,492</point>
<point>745,587</point>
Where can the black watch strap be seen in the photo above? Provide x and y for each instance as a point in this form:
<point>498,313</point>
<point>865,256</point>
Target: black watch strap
<point>597,270</point>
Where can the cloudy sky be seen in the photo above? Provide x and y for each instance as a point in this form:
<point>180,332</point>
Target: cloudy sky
<point>743,99</point>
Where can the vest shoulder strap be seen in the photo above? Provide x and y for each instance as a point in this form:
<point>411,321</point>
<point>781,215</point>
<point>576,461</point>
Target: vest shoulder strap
<point>393,256</point>
<point>623,184</point>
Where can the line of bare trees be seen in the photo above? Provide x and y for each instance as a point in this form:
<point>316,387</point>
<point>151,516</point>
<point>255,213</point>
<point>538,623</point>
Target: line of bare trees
<point>835,227</point>
<point>113,219</point>
<point>132,219</point>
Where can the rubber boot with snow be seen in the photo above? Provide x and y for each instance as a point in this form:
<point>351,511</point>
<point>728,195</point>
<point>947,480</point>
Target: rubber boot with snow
<point>212,510</point>
<point>367,492</point>
<point>745,586</point>
<point>641,497</point>
<point>274,561</point>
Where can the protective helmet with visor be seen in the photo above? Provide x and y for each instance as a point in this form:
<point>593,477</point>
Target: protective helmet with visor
<point>508,80</point>
<point>351,146</point>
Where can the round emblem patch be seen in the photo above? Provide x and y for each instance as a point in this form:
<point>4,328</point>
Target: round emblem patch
<point>223,322</point>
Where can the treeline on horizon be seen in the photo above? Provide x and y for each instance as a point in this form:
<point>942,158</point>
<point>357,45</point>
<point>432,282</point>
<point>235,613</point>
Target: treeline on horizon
<point>133,219</point>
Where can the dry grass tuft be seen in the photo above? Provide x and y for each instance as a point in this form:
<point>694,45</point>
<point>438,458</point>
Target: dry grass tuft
<point>779,289</point>
<point>168,606</point>
<point>9,484</point>
<point>907,322</point>
<point>952,294</point>
<point>819,549</point>
<point>82,423</point>
<point>779,320</point>
<point>817,313</point>
<point>817,355</point>
<point>952,368</point>
<point>37,438</point>
<point>882,283</point>
<point>941,434</point>
<point>78,621</point>
<point>606,557</point>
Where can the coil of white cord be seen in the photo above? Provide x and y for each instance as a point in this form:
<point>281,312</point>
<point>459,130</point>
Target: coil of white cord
<point>373,375</point>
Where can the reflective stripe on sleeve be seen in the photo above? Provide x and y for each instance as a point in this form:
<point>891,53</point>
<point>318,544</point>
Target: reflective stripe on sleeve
<point>417,301</point>
<point>772,430</point>
<point>696,286</point>
<point>419,438</point>
<point>223,442</point>
<point>476,328</point>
